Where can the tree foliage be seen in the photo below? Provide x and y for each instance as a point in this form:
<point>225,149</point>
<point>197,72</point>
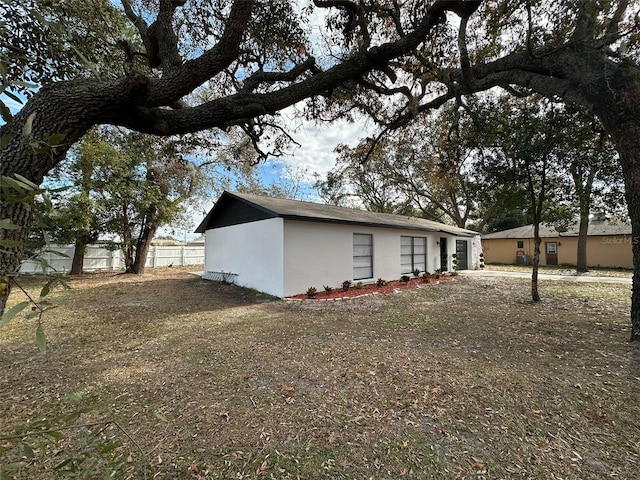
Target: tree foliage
<point>125,185</point>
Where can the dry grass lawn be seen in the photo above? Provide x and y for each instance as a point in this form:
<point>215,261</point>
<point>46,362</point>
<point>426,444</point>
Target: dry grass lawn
<point>168,376</point>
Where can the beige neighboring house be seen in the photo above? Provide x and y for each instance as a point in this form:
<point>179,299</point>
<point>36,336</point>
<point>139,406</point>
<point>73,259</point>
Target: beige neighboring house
<point>608,245</point>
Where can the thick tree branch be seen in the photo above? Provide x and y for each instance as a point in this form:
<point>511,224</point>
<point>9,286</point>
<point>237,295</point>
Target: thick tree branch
<point>197,71</point>
<point>238,108</point>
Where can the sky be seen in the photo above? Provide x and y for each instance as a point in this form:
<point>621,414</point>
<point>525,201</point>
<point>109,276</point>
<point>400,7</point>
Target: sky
<point>314,156</point>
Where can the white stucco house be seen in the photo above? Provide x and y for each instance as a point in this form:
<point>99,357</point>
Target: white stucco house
<point>282,247</point>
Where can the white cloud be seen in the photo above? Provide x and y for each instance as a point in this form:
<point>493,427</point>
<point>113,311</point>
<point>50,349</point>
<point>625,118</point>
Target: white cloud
<point>318,142</point>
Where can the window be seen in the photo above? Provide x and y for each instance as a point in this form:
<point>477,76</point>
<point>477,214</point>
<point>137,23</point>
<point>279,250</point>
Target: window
<point>413,254</point>
<point>362,256</point>
<point>520,243</point>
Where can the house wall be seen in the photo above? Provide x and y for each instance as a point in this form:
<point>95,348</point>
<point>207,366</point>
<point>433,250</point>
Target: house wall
<point>319,254</point>
<point>253,251</point>
<point>602,251</point>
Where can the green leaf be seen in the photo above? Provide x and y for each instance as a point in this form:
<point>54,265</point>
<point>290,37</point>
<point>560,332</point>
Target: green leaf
<point>160,416</point>
<point>6,224</point>
<point>74,396</point>
<point>13,97</point>
<point>63,463</point>
<point>12,312</point>
<point>10,182</point>
<point>110,447</point>
<point>20,83</point>
<point>11,243</point>
<point>56,139</point>
<point>26,181</point>
<point>28,125</point>
<point>41,340</point>
<point>28,451</point>
<point>3,476</point>
<point>6,139</point>
<point>5,113</point>
<point>56,252</point>
<point>55,434</point>
<point>45,290</point>
<point>47,202</point>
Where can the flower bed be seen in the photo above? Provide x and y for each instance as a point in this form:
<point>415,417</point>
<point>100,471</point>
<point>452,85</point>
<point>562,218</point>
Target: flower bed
<point>390,287</point>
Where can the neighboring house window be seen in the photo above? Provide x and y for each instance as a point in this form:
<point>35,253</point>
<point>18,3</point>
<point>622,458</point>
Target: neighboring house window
<point>520,243</point>
<point>413,254</point>
<point>362,256</point>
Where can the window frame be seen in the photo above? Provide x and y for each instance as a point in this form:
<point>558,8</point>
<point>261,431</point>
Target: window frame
<point>422,266</point>
<point>369,264</point>
<point>520,244</point>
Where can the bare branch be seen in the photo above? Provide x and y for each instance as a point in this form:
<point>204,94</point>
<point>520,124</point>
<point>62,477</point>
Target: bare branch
<point>252,82</point>
<point>139,23</point>
<point>465,65</point>
<point>613,30</point>
<point>355,13</point>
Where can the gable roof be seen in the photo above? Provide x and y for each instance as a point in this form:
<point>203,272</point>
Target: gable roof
<point>596,227</point>
<point>236,208</point>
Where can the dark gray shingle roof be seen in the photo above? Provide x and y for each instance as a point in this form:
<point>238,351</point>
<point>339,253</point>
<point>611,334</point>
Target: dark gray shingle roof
<point>299,210</point>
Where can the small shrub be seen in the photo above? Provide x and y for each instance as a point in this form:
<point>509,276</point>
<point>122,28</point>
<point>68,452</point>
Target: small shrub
<point>426,276</point>
<point>437,275</point>
<point>405,278</point>
<point>311,292</point>
<point>327,289</point>
<point>416,272</point>
<point>380,282</point>
<point>346,285</point>
<point>454,273</point>
<point>359,285</point>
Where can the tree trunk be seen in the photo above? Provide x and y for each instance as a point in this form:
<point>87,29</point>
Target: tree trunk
<point>581,261</point>
<point>77,264</point>
<point>142,250</point>
<point>11,258</point>
<point>535,295</point>
<point>627,140</point>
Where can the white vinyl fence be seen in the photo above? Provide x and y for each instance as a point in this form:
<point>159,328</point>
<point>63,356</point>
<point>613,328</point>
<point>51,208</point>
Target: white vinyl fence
<point>99,258</point>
